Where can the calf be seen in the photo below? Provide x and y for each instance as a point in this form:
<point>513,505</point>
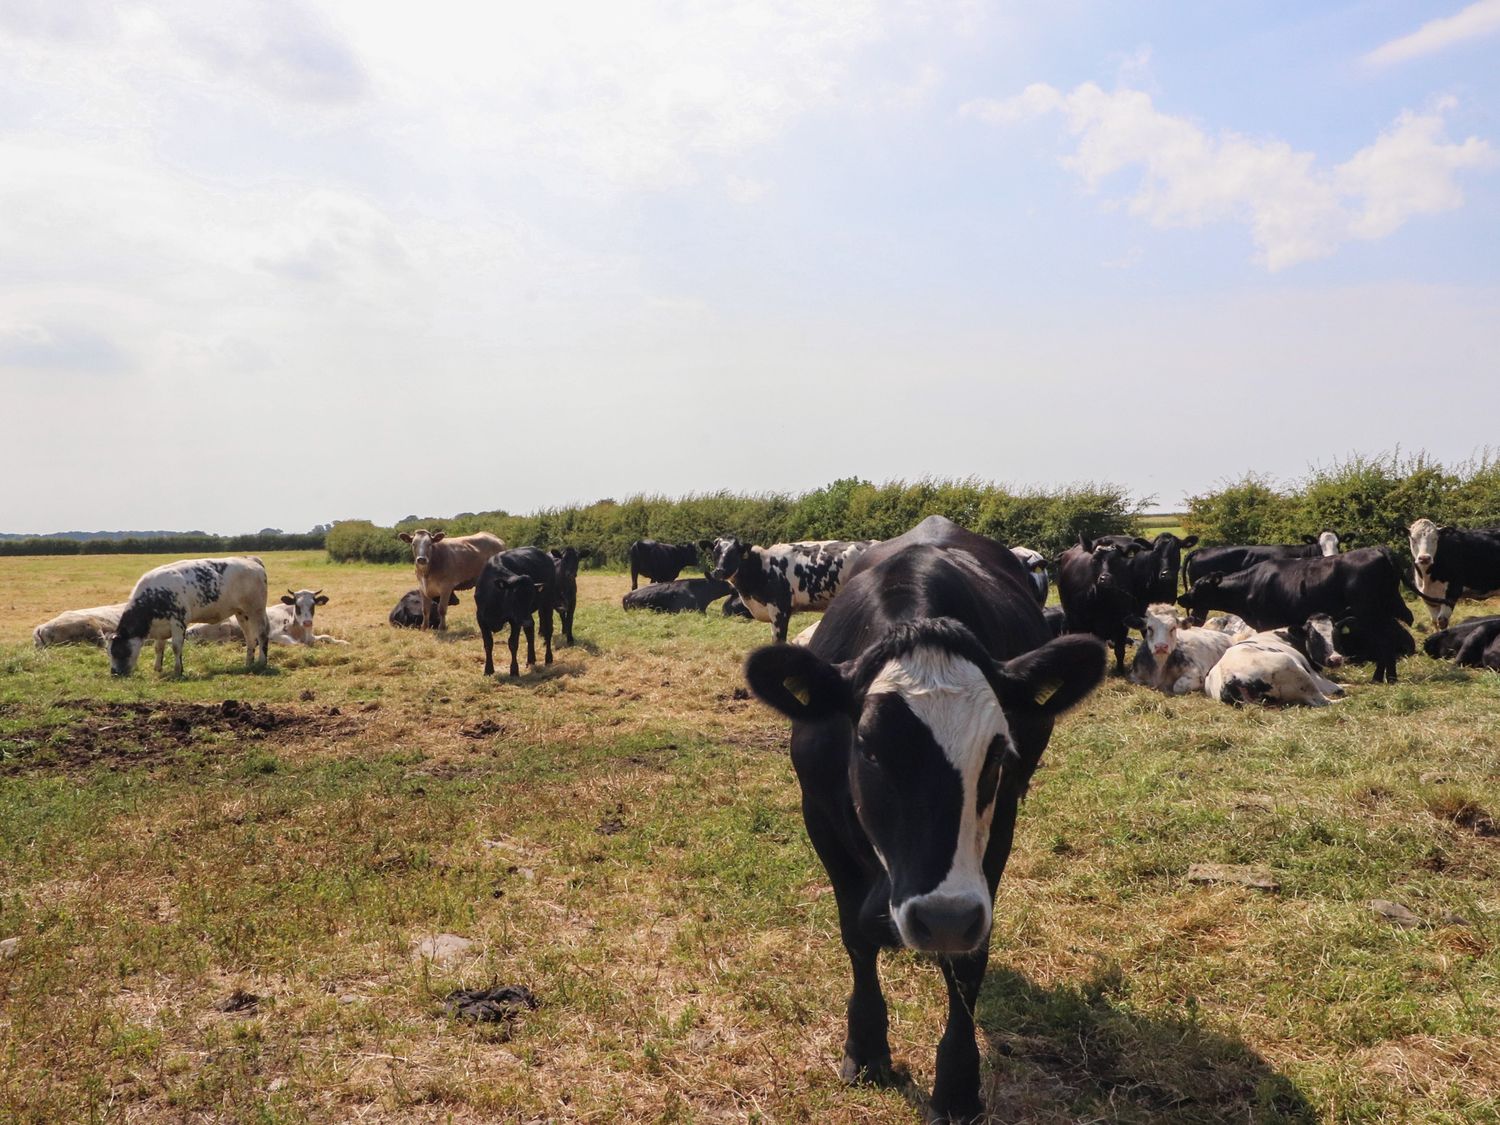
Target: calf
<point>1094,583</point>
<point>1172,659</point>
<point>1449,561</point>
<point>444,565</point>
<point>513,586</point>
<point>291,621</point>
<point>1466,642</point>
<point>1227,560</point>
<point>1264,668</point>
<point>1036,565</point>
<point>1363,583</point>
<point>169,598</point>
<point>778,581</point>
<point>566,564</point>
<point>685,595</point>
<point>74,626</point>
<point>919,712</point>
<point>407,613</point>
<point>660,562</point>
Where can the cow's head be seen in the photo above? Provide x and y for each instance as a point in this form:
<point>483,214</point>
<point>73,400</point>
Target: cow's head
<point>421,542</point>
<point>928,718</point>
<point>1424,542</point>
<point>725,555</point>
<point>305,604</point>
<point>1199,600</point>
<point>1158,626</point>
<point>1110,562</point>
<point>1166,555</point>
<point>124,652</point>
<point>1328,542</point>
<point>1320,637</point>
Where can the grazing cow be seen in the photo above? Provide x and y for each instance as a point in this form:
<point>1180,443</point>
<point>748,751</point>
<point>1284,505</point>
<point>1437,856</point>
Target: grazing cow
<point>566,562</point>
<point>684,595</point>
<point>407,613</point>
<point>660,562</point>
<point>501,598</point>
<point>1173,659</point>
<point>1466,642</point>
<point>169,598</point>
<point>733,607</point>
<point>1036,565</point>
<point>1264,668</point>
<point>444,565</point>
<point>1227,560</point>
<point>74,626</point>
<point>1450,561</point>
<point>918,714</point>
<point>1094,583</point>
<point>775,582</point>
<point>1364,583</point>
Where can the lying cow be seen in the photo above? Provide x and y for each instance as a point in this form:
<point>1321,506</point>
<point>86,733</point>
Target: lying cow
<point>733,607</point>
<point>685,595</point>
<point>660,562</point>
<point>79,626</point>
<point>290,621</point>
<point>919,712</point>
<point>1036,565</point>
<point>407,613</point>
<point>1265,668</point>
<point>169,598</point>
<point>1465,643</point>
<point>1449,562</point>
<point>1228,559</point>
<point>1173,657</point>
<point>777,581</point>
<point>444,565</point>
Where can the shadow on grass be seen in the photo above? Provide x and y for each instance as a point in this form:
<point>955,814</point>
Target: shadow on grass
<point>1081,1053</point>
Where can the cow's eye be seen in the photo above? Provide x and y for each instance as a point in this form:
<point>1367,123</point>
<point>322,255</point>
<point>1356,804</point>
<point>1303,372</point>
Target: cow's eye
<point>867,752</point>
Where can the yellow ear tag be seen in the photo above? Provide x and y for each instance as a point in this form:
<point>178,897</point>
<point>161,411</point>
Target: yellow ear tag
<point>797,686</point>
<point>1046,692</point>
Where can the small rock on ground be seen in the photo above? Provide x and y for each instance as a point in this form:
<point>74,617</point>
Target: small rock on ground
<point>443,948</point>
<point>1257,877</point>
<point>9,948</point>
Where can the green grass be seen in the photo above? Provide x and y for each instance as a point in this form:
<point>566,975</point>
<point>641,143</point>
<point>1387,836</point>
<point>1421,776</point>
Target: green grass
<point>622,835</point>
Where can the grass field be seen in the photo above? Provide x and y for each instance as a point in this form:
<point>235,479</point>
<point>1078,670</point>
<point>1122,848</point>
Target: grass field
<point>621,834</point>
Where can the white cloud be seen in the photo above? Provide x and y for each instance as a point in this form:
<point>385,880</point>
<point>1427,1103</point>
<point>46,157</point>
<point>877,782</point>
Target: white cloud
<point>1478,20</point>
<point>1296,210</point>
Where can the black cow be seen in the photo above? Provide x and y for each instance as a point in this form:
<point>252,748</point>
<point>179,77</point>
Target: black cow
<point>513,586</point>
<point>733,607</point>
<point>1466,642</point>
<point>1094,583</point>
<point>1466,560</point>
<point>919,712</point>
<point>1227,560</point>
<point>685,595</point>
<point>1364,583</point>
<point>566,564</point>
<point>407,613</point>
<point>661,562</point>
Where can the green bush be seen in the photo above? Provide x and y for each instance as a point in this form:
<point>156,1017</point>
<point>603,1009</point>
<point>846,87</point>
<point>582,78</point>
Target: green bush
<point>185,545</point>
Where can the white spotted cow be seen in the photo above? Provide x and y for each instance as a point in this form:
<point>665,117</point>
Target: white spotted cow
<point>1264,668</point>
<point>1036,565</point>
<point>777,581</point>
<point>79,626</point>
<point>1174,658</point>
<point>169,598</point>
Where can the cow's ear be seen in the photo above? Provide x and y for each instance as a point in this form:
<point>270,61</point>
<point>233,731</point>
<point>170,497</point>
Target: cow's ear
<point>287,599</point>
<point>439,536</point>
<point>1190,541</point>
<point>1040,564</point>
<point>1135,621</point>
<point>1142,544</point>
<point>798,684</point>
<point>405,537</point>
<point>321,599</point>
<point>1086,543</point>
<point>1052,678</point>
<point>1309,539</point>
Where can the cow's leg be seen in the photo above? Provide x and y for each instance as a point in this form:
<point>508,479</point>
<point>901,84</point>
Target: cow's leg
<point>442,610</point>
<point>634,578</point>
<point>781,616</point>
<point>955,1090</point>
<point>161,651</point>
<point>515,643</point>
<point>1119,643</point>
<point>179,634</point>
<point>429,609</point>
<point>489,648</point>
<point>530,628</point>
<point>546,616</point>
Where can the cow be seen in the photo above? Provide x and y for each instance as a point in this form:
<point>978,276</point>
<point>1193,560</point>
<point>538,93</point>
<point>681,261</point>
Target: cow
<point>1094,583</point>
<point>661,562</point>
<point>219,632</point>
<point>1036,565</point>
<point>777,581</point>
<point>1363,583</point>
<point>733,607</point>
<point>919,712</point>
<point>1264,668</point>
<point>1154,566</point>
<point>167,599</point>
<point>1227,560</point>
<point>1172,659</point>
<point>1449,561</point>
<point>682,595</point>
<point>566,564</point>
<point>291,620</point>
<point>444,565</point>
<point>1466,642</point>
<point>407,613</point>
<point>513,586</point>
<point>75,626</point>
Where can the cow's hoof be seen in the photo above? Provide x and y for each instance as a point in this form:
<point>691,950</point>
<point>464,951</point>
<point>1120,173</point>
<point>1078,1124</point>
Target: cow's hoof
<point>870,1072</point>
<point>966,1116</point>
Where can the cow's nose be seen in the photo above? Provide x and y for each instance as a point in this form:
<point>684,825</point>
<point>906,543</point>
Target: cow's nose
<point>946,925</point>
<point>1335,661</point>
<point>1424,559</point>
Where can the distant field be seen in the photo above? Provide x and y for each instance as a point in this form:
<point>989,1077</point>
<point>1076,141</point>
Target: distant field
<point>1154,523</point>
<point>621,834</point>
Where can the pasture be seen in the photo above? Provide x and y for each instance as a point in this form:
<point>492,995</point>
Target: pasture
<point>621,834</point>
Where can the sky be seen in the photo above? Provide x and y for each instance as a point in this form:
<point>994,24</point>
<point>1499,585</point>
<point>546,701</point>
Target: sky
<point>272,264</point>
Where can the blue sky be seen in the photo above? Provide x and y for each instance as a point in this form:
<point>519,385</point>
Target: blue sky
<point>274,265</point>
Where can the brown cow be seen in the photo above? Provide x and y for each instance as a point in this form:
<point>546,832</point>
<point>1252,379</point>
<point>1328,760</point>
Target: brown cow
<point>445,565</point>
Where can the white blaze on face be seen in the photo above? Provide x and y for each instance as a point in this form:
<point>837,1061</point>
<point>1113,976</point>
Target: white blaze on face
<point>956,703</point>
<point>1328,543</point>
<point>1424,539</point>
<point>1160,633</point>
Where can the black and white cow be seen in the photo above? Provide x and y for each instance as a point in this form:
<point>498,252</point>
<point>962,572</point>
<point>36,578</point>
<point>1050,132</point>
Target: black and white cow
<point>291,621</point>
<point>566,564</point>
<point>685,595</point>
<point>1466,642</point>
<point>407,613</point>
<point>777,581</point>
<point>1095,585</point>
<point>1227,560</point>
<point>919,712</point>
<point>1036,565</point>
<point>167,599</point>
<point>660,562</point>
<point>1449,562</point>
<point>1363,583</point>
<point>1265,668</point>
